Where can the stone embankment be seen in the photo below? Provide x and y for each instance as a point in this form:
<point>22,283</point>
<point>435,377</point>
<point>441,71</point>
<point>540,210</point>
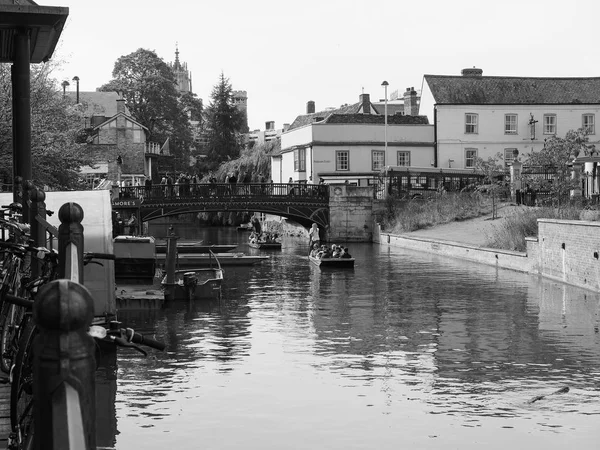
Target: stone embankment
<point>565,250</point>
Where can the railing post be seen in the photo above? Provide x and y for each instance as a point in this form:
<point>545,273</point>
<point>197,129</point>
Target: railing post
<point>64,368</point>
<point>70,242</point>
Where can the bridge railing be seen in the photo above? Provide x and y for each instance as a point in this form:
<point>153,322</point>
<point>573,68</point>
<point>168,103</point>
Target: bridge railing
<point>218,191</point>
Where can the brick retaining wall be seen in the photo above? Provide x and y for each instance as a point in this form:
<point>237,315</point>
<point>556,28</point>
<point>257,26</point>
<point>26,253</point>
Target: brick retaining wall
<point>565,250</point>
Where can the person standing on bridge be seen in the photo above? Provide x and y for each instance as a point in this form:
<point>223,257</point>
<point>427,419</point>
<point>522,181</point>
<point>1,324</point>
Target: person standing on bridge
<point>314,237</point>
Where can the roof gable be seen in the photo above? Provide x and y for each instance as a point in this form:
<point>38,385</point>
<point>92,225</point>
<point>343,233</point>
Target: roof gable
<point>113,118</point>
<point>481,90</point>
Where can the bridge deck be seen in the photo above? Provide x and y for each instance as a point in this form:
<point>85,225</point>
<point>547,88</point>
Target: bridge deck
<point>299,201</point>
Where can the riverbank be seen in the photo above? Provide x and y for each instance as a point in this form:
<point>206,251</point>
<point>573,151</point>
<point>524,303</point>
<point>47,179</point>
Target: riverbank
<point>565,250</point>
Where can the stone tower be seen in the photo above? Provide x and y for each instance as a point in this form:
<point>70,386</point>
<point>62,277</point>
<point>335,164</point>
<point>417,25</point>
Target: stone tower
<point>240,99</point>
<point>183,76</point>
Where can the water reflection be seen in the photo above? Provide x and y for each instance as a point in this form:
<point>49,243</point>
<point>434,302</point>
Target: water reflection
<point>294,354</point>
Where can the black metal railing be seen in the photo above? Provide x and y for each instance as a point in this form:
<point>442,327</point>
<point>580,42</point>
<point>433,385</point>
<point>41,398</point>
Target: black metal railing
<point>206,191</point>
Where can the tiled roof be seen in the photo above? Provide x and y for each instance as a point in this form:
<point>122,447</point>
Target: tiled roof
<point>307,119</point>
<point>97,103</point>
<point>375,119</point>
<point>473,90</point>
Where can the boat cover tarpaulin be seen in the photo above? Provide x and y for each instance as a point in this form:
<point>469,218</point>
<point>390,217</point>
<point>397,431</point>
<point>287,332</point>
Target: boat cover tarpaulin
<point>97,232</point>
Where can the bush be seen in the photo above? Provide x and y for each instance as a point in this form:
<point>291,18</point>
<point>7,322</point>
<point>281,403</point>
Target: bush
<point>510,234</point>
<point>411,215</point>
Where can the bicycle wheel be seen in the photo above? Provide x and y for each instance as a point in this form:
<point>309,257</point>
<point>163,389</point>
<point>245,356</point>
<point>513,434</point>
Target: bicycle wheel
<point>21,388</point>
<point>10,336</point>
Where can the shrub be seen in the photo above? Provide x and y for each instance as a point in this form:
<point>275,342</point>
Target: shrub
<point>511,232</point>
<point>410,215</point>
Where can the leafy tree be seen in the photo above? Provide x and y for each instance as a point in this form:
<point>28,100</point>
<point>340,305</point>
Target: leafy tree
<point>192,105</point>
<point>493,179</point>
<point>56,126</point>
<point>556,158</point>
<point>255,161</point>
<point>148,86</point>
<point>223,123</point>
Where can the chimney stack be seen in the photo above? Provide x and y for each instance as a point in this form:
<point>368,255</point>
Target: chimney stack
<point>120,106</point>
<point>365,103</point>
<point>474,72</point>
<point>411,103</point>
<point>310,107</point>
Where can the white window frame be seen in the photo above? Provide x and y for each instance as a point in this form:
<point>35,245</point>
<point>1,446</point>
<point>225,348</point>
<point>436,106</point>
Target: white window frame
<point>588,122</point>
<point>550,124</point>
<point>300,160</point>
<point>377,160</point>
<point>470,160</point>
<point>471,123</point>
<point>137,136</point>
<point>510,123</point>
<point>340,164</point>
<point>405,156</point>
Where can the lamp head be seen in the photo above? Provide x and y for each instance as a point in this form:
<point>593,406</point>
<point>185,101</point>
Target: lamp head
<point>385,84</point>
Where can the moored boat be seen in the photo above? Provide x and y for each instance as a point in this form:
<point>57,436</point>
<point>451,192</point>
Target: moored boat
<point>265,245</point>
<point>208,259</point>
<point>332,262</point>
<point>195,284</point>
<point>134,257</point>
<point>196,247</point>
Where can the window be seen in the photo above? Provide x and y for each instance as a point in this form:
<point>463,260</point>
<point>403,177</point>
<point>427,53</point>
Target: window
<point>137,136</point>
<point>589,122</point>
<point>549,124</point>
<point>377,159</point>
<point>510,124</point>
<point>470,123</point>
<point>509,156</point>
<point>470,155</point>
<point>300,160</point>
<point>403,158</point>
<point>342,160</point>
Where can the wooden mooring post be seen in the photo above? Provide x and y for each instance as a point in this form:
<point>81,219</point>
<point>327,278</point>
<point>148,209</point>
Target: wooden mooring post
<point>64,365</point>
<point>170,266</point>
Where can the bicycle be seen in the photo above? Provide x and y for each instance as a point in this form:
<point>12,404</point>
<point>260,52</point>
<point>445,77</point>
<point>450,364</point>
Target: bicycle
<point>16,282</point>
<point>21,398</point>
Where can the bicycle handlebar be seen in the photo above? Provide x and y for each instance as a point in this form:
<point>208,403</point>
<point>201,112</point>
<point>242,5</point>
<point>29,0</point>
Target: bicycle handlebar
<point>138,338</point>
<point>19,301</point>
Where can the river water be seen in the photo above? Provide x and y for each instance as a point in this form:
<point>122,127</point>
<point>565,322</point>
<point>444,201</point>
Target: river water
<point>407,350</point>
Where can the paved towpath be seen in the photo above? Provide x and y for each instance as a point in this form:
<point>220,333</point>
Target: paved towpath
<point>473,231</point>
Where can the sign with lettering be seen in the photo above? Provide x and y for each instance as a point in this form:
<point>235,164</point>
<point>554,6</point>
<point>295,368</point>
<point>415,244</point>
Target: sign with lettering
<point>126,203</point>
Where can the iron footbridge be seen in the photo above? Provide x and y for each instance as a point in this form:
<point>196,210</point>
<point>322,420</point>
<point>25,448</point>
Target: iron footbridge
<point>303,203</point>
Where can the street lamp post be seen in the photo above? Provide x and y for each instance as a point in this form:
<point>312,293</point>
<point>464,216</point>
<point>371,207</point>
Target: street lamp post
<point>64,85</point>
<point>385,84</point>
<point>76,80</point>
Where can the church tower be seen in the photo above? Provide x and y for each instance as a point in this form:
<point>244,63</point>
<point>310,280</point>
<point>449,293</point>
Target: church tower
<point>183,76</point>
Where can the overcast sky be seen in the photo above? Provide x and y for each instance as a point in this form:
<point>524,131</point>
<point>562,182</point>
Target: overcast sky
<point>286,53</point>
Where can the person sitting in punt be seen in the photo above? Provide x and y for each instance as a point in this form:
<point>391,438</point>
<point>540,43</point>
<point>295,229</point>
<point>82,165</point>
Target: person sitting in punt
<point>345,253</point>
<point>314,250</point>
<point>325,252</point>
<point>336,251</point>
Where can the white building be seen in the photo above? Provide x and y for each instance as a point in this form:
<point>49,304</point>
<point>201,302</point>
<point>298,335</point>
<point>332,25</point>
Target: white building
<point>352,143</point>
<point>477,116</point>
<point>270,133</point>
